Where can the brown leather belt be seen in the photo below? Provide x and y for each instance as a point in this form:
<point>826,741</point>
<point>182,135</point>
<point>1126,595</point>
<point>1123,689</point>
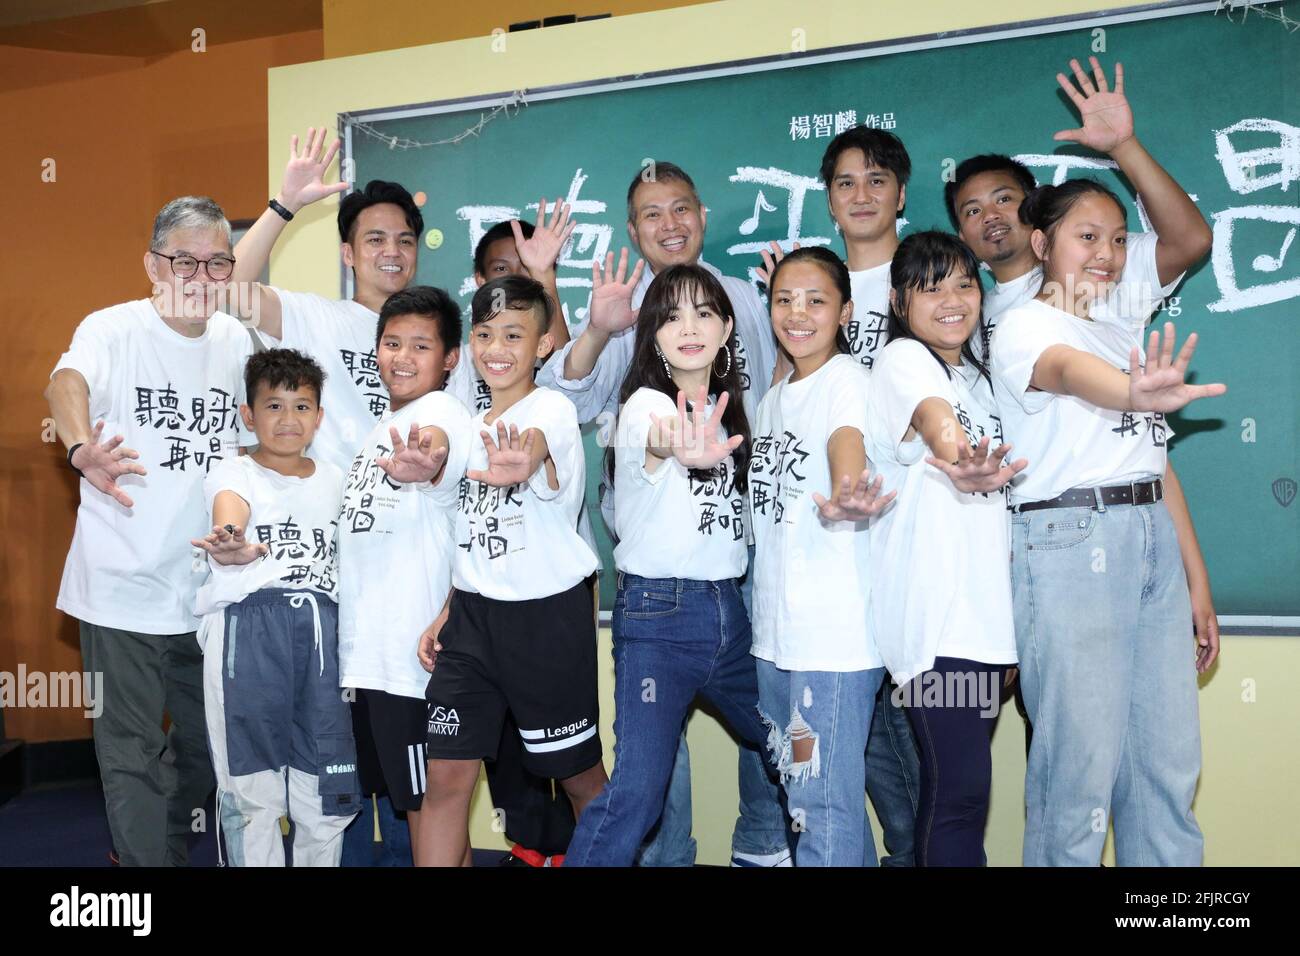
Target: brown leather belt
<point>1134,493</point>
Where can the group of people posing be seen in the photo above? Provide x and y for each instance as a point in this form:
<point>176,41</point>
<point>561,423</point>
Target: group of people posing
<point>854,519</point>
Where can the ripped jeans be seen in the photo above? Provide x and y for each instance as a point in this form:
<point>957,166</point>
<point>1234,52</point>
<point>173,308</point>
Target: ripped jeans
<point>824,783</point>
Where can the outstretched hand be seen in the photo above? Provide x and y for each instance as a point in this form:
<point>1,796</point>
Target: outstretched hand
<point>304,174</point>
<point>855,501</point>
<point>1106,116</point>
<point>1160,386</point>
<point>103,464</point>
<point>979,469</point>
<point>611,294</point>
<point>227,545</point>
<point>414,460</point>
<point>510,460</point>
<point>695,441</point>
<point>539,252</point>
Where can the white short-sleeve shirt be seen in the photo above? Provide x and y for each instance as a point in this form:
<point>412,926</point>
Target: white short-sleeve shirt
<point>1069,442</point>
<point>946,552</point>
<point>395,551</point>
<point>672,524</point>
<point>811,584</point>
<point>296,518</point>
<point>522,542</point>
<point>176,401</point>
<point>340,335</point>
<point>867,331</point>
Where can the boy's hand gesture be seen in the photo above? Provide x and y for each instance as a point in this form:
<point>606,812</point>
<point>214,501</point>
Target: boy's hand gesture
<point>226,545</point>
<point>979,469</point>
<point>695,441</point>
<point>412,461</point>
<point>540,252</point>
<point>855,502</point>
<point>103,464</point>
<point>304,174</point>
<point>510,461</point>
<point>1160,386</point>
<point>611,296</point>
<point>1106,116</point>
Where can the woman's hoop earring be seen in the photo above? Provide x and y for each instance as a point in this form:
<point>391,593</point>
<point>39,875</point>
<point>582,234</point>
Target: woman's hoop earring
<point>726,371</point>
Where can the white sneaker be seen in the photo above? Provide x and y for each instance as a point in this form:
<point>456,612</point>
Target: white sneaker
<point>781,858</point>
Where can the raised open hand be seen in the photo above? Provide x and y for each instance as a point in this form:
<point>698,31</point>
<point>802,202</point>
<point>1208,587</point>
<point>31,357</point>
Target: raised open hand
<point>855,501</point>
<point>1161,385</point>
<point>611,294</point>
<point>304,175</point>
<point>413,460</point>
<point>770,259</point>
<point>979,469</point>
<point>227,545</point>
<point>1105,114</point>
<point>695,441</point>
<point>539,252</point>
<point>509,459</point>
<point>103,464</point>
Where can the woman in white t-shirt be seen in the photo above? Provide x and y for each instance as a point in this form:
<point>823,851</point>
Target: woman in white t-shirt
<point>1102,612</point>
<point>818,668</point>
<point>680,626</point>
<point>942,613</point>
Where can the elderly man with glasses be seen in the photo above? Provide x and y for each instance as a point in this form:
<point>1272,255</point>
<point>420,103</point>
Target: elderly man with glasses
<point>146,399</point>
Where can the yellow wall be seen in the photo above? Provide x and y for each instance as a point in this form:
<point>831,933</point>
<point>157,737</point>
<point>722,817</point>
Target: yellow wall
<point>1252,754</point>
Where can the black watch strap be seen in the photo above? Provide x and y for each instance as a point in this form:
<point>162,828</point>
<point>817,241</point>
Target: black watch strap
<point>283,213</point>
<point>72,451</point>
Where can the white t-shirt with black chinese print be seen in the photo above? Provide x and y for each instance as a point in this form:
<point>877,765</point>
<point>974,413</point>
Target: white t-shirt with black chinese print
<point>297,520</point>
<point>867,331</point>
<point>945,551</point>
<point>521,542</point>
<point>1068,441</point>
<point>340,336</point>
<point>672,524</point>
<point>811,576</point>
<point>175,400</point>
<point>395,551</point>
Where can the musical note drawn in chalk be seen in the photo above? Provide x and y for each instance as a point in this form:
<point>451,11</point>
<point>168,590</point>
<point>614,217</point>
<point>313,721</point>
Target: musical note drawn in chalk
<point>1268,263</point>
<point>749,225</point>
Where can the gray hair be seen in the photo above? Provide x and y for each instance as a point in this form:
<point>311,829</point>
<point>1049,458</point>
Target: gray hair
<point>188,212</point>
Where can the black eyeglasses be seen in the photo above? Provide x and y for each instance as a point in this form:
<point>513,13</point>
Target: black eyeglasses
<point>186,267</point>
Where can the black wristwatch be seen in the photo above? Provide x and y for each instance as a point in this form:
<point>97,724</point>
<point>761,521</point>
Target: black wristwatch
<point>72,451</point>
<point>283,213</point>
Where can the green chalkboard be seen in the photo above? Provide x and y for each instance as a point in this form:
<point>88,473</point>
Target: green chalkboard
<point>1215,101</point>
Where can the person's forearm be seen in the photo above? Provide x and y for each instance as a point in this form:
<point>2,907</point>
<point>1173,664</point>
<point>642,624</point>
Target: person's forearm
<point>1067,371</point>
<point>69,398</point>
<point>847,455</point>
<point>584,353</point>
<point>1174,216</point>
<point>559,329</point>
<point>939,428</point>
<point>1188,545</point>
<point>254,250</point>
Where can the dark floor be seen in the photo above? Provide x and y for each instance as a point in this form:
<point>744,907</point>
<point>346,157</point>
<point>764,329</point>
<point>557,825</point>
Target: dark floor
<point>65,825</point>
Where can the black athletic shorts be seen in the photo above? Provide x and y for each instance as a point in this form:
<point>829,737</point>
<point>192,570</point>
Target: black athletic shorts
<point>395,728</point>
<point>536,659</point>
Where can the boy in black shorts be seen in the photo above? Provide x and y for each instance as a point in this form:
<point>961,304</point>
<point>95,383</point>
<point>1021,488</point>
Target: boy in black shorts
<point>519,634</point>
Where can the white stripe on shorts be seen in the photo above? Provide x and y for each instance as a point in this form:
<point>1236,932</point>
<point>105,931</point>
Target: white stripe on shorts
<point>562,744</point>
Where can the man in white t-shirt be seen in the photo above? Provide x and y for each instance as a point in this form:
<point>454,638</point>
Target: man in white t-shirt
<point>164,376</point>
<point>666,222</point>
<point>984,201</point>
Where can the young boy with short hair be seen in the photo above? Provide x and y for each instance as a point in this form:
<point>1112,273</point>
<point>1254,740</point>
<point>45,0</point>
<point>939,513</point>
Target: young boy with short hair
<point>519,634</point>
<point>395,537</point>
<point>279,730</point>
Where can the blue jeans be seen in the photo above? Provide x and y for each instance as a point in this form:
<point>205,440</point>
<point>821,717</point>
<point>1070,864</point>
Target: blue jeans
<point>673,639</point>
<point>760,828</point>
<point>1104,633</point>
<point>824,789</point>
<point>893,778</point>
<point>359,846</point>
